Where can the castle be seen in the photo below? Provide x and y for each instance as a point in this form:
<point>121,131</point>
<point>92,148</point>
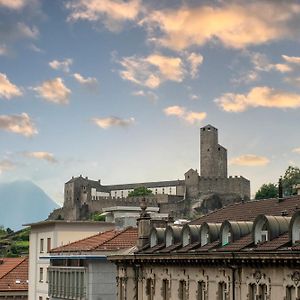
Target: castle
<point>202,193</point>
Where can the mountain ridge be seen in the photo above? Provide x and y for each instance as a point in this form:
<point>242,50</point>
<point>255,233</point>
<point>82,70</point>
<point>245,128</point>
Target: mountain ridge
<point>21,202</point>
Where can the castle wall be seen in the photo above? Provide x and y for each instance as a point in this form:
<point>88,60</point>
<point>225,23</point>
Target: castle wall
<point>231,185</point>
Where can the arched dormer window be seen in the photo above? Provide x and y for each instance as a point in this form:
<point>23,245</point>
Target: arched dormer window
<point>209,232</point>
<point>232,231</point>
<point>190,234</point>
<point>157,236</point>
<point>173,235</point>
<point>294,230</point>
<point>267,228</point>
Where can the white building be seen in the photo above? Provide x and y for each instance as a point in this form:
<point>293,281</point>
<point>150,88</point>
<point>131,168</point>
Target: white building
<point>46,235</point>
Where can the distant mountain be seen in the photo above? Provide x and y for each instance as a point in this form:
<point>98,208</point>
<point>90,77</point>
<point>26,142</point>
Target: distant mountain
<point>23,202</point>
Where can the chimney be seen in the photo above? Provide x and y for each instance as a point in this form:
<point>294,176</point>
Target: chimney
<point>144,226</point>
<point>280,190</point>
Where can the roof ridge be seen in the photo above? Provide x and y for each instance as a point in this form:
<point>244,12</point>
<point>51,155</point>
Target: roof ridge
<point>10,270</point>
<point>113,237</point>
<point>83,239</point>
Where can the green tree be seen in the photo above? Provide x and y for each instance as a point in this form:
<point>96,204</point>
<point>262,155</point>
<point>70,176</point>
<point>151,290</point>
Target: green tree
<point>97,216</point>
<point>267,191</point>
<point>140,191</point>
<point>290,178</point>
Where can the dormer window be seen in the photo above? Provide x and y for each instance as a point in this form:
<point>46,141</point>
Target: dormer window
<point>169,238</point>
<point>153,239</point>
<point>186,238</point>
<point>226,236</point>
<point>295,228</point>
<point>266,228</point>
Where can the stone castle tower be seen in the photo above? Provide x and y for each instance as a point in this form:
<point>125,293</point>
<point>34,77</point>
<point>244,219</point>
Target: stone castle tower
<point>213,156</point>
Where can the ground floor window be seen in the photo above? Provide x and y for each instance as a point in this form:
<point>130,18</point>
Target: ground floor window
<point>182,290</point>
<point>222,291</point>
<point>201,290</point>
<point>165,289</point>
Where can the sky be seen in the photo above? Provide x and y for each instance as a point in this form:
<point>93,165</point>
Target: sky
<point>117,90</point>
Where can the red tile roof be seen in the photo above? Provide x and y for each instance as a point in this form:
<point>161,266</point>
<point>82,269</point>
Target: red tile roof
<point>248,211</point>
<point>274,244</point>
<point>110,240</point>
<point>14,274</point>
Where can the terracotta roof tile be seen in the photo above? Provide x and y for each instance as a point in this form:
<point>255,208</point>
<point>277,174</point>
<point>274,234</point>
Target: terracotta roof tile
<point>274,244</point>
<point>109,240</point>
<point>238,244</point>
<point>248,211</point>
<point>170,248</point>
<point>14,274</point>
<point>155,248</point>
<point>207,246</point>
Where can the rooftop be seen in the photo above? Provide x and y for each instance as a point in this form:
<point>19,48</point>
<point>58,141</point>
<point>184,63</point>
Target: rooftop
<point>14,274</point>
<point>111,240</point>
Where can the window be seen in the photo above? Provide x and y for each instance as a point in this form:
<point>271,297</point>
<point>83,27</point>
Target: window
<point>121,288</point>
<point>150,289</point>
<point>48,244</point>
<point>222,287</point>
<point>252,291</point>
<point>165,289</point>
<point>182,290</point>
<point>41,245</point>
<point>40,298</point>
<point>290,293</point>
<point>41,275</point>
<point>264,235</point>
<point>262,292</point>
<point>201,290</point>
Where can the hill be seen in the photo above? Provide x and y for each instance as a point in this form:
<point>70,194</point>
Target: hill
<point>23,202</point>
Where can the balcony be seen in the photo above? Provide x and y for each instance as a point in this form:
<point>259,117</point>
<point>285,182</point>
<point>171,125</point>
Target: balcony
<point>67,283</point>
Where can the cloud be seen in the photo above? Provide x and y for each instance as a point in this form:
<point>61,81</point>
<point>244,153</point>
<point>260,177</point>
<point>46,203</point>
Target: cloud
<point>7,89</point>
<point>35,48</point>
<point>6,165</point>
<point>259,97</point>
<point>153,70</point>
<point>234,24</point>
<point>190,117</point>
<point>63,65</point>
<point>90,82</point>
<point>54,91</point>
<point>148,94</point>
<point>296,150</point>
<point>42,156</point>
<point>195,61</point>
<point>112,13</point>
<point>262,63</point>
<point>250,160</point>
<point>13,4</point>
<point>24,31</point>
<point>3,49</point>
<point>113,122</point>
<point>20,124</point>
<point>292,59</point>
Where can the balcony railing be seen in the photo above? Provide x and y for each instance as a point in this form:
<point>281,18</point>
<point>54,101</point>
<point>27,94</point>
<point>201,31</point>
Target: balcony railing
<point>67,282</point>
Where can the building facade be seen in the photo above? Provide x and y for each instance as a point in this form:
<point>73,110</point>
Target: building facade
<point>248,250</point>
<point>80,270</point>
<point>51,234</point>
<point>83,196</point>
